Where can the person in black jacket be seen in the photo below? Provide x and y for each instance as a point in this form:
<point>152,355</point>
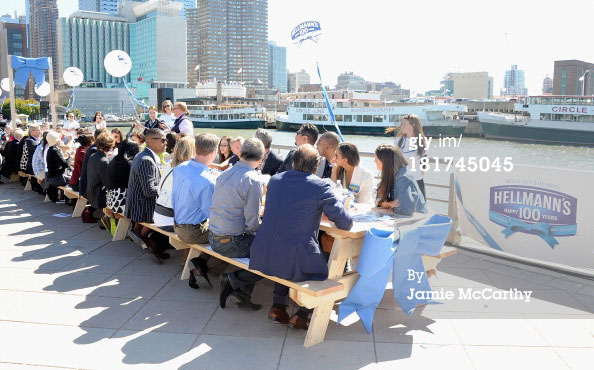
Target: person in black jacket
<point>272,161</point>
<point>307,134</point>
<point>118,174</point>
<point>82,184</point>
<point>152,122</point>
<point>56,166</point>
<point>29,145</point>
<point>11,163</point>
<point>97,172</point>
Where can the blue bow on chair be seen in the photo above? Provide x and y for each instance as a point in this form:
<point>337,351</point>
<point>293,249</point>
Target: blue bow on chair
<point>380,255</point>
<point>24,66</point>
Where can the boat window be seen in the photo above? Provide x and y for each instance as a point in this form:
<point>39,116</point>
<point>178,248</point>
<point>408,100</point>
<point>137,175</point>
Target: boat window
<point>318,104</point>
<point>305,117</point>
<point>242,115</point>
<point>338,117</point>
<point>378,118</point>
<point>302,104</point>
<point>340,104</point>
<point>310,104</point>
<point>317,117</point>
<point>213,117</point>
<point>223,117</point>
<point>359,118</point>
<point>310,117</point>
<point>348,118</point>
<point>367,118</point>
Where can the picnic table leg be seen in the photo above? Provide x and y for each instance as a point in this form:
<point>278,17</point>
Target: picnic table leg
<point>81,203</point>
<point>14,178</point>
<point>28,185</point>
<point>122,229</point>
<point>187,268</point>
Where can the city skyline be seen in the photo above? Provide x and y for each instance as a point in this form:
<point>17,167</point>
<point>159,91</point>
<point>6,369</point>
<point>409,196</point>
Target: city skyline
<point>415,45</point>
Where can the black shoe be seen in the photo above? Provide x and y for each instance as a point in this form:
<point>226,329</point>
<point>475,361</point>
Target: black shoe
<point>164,255</point>
<point>245,301</point>
<point>200,264</point>
<point>192,283</point>
<point>226,290</point>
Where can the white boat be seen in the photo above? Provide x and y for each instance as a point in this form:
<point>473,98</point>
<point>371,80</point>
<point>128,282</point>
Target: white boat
<point>353,117</point>
<point>241,116</point>
<point>548,119</point>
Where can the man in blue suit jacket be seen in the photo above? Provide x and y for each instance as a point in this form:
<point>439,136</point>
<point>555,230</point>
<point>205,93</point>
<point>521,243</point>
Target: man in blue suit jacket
<point>286,244</point>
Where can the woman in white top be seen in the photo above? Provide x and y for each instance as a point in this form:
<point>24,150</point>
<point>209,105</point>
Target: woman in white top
<point>167,117</point>
<point>99,121</point>
<point>357,179</point>
<point>163,215</point>
<point>411,127</point>
<point>70,125</point>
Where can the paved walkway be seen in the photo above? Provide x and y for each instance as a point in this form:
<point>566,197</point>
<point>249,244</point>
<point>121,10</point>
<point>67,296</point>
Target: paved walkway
<point>71,298</point>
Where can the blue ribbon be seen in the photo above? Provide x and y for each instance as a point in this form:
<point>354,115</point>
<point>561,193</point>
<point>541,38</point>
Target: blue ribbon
<point>133,97</point>
<point>24,66</point>
<point>513,225</point>
<point>328,104</point>
<point>380,255</point>
<point>71,101</point>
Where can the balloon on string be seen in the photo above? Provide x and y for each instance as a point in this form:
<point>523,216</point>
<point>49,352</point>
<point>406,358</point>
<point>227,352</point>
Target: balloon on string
<point>117,63</point>
<point>73,76</point>
<point>43,89</point>
<point>5,84</point>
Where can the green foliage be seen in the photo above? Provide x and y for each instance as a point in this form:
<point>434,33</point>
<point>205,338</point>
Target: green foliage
<point>22,107</point>
<point>77,112</point>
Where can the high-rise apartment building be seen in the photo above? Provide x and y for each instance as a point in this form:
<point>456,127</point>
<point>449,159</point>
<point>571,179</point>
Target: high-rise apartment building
<point>192,46</point>
<point>547,85</point>
<point>573,77</point>
<point>111,6</point>
<point>85,38</point>
<point>296,80</point>
<point>473,85</point>
<point>277,67</point>
<point>13,41</point>
<point>350,81</point>
<point>43,43</point>
<point>233,41</point>
<point>513,82</point>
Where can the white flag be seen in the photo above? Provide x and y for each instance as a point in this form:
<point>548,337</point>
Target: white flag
<point>239,70</point>
<point>197,67</point>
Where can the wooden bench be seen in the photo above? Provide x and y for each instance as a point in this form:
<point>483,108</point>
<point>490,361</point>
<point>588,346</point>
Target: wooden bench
<point>14,177</point>
<point>28,184</point>
<point>320,296</point>
<point>81,202</point>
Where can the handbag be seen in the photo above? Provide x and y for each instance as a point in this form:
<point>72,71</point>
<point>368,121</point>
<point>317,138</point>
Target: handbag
<point>57,181</point>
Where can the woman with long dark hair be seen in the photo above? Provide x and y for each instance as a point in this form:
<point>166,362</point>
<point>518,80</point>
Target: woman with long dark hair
<point>397,189</point>
<point>118,173</point>
<point>410,127</point>
<point>85,142</point>
<point>224,150</point>
<point>99,121</point>
<point>351,175</point>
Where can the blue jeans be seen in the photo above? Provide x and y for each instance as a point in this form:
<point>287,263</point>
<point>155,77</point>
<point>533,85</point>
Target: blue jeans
<point>236,246</point>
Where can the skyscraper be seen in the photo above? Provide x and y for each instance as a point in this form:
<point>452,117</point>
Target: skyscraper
<point>573,77</point>
<point>192,46</point>
<point>547,85</point>
<point>13,41</point>
<point>350,81</point>
<point>111,6</point>
<point>296,80</point>
<point>277,67</point>
<point>44,16</point>
<point>85,38</point>
<point>513,82</point>
<point>232,41</point>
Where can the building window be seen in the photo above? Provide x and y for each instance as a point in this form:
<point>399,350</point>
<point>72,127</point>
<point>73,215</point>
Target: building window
<point>563,82</point>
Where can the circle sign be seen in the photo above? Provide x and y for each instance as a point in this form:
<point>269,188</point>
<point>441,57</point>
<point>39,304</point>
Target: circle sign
<point>117,63</point>
<point>73,76</point>
<point>5,84</point>
<point>43,89</point>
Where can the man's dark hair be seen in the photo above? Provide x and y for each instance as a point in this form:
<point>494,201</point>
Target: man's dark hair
<point>152,132</point>
<point>104,142</point>
<point>171,140</point>
<point>309,130</point>
<point>99,132</point>
<point>350,152</point>
<point>128,149</point>
<point>305,159</point>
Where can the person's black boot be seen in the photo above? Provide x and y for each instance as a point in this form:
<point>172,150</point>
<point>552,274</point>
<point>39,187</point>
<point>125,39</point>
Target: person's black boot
<point>200,264</point>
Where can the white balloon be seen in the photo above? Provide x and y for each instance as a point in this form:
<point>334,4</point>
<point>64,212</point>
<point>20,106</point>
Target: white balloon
<point>43,89</point>
<point>5,84</point>
<point>117,63</point>
<point>73,76</point>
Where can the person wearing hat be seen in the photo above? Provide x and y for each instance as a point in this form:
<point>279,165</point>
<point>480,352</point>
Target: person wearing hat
<point>56,165</point>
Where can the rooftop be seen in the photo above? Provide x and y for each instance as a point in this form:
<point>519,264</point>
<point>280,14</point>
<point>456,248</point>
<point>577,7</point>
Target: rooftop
<point>69,297</point>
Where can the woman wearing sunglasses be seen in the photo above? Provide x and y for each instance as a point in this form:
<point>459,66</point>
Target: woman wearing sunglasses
<point>167,116</point>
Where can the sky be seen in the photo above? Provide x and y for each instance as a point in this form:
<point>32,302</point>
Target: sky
<point>415,43</point>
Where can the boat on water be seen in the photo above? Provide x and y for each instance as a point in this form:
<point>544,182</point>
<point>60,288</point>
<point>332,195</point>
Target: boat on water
<point>544,119</point>
<point>354,117</point>
<point>228,116</point>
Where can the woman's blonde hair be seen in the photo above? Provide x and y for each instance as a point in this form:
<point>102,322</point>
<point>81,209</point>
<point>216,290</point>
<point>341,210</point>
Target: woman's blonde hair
<point>181,105</point>
<point>183,150</point>
<point>166,102</point>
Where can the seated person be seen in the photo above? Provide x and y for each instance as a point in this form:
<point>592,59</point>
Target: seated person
<point>152,122</point>
<point>82,184</point>
<point>224,150</point>
<point>85,142</point>
<point>403,195</point>
<point>143,189</point>
<point>118,174</point>
<point>271,161</point>
<point>307,134</point>
<point>235,142</point>
<point>286,244</point>
<point>235,218</point>
<point>97,174</point>
<point>56,166</point>
<point>326,145</point>
<point>10,166</point>
<point>352,176</point>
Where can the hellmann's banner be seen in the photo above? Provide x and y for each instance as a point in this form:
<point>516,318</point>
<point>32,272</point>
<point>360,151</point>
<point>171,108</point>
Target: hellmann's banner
<point>544,214</point>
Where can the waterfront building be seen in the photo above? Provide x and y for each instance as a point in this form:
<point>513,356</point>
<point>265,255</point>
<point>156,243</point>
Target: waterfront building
<point>233,41</point>
<point>389,91</point>
<point>350,81</point>
<point>295,80</point>
<point>472,85</point>
<point>547,86</point>
<point>277,67</point>
<point>43,20</point>
<point>111,6</point>
<point>13,41</point>
<point>513,82</point>
<point>192,43</point>
<point>85,38</point>
<point>573,77</point>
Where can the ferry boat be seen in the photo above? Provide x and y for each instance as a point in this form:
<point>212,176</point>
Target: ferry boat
<point>544,119</point>
<point>437,119</point>
<point>239,116</point>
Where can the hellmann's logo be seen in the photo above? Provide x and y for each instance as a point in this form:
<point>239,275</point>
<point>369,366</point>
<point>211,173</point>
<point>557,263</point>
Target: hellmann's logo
<point>532,210</point>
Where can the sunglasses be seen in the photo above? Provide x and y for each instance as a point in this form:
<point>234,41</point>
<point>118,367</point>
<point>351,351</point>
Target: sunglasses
<point>167,106</point>
<point>163,140</point>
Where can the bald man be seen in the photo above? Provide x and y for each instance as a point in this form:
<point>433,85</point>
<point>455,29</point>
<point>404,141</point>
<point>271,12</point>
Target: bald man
<point>326,145</point>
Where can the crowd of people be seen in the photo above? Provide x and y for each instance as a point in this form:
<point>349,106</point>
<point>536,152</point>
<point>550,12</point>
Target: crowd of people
<point>211,190</point>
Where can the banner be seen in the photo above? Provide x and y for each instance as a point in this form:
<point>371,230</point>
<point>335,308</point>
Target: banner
<point>544,214</point>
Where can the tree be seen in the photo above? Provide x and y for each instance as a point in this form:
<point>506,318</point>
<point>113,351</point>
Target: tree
<point>29,107</point>
<point>77,112</point>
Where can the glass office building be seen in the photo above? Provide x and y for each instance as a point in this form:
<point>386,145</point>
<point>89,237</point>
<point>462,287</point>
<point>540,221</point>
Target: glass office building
<point>277,67</point>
